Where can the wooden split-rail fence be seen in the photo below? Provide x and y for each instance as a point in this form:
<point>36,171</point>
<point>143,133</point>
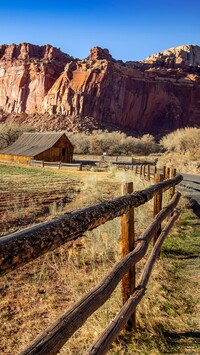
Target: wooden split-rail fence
<point>23,246</point>
<point>56,164</point>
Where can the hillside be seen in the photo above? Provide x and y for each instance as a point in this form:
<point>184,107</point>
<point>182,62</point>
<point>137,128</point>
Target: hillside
<point>50,90</point>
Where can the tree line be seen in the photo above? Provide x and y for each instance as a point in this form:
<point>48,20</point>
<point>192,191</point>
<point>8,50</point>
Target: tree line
<point>117,143</point>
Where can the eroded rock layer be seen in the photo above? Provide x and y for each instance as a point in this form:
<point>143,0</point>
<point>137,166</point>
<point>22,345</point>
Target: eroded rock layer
<point>27,72</point>
<point>157,95</point>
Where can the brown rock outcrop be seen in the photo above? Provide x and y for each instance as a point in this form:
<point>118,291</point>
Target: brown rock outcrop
<point>27,72</point>
<point>98,53</point>
<point>154,96</point>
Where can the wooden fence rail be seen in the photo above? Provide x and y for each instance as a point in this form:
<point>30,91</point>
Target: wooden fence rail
<point>56,164</point>
<point>119,322</point>
<point>21,247</point>
<point>55,337</point>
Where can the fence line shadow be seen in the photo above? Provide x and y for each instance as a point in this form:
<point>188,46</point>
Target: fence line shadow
<point>174,337</point>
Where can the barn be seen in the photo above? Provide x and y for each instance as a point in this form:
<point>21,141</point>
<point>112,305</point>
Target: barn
<point>39,146</point>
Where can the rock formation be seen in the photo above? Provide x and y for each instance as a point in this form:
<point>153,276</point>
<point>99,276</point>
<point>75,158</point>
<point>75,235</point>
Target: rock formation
<point>27,72</point>
<point>157,95</point>
<point>187,55</point>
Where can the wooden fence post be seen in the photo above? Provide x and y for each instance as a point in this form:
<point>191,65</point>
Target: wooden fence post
<point>155,172</point>
<point>171,175</point>
<point>157,204</point>
<point>128,243</point>
<point>148,173</point>
<point>167,173</point>
<point>141,170</point>
<point>164,171</point>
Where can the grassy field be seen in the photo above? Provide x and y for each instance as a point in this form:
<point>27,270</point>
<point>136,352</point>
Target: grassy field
<point>34,296</point>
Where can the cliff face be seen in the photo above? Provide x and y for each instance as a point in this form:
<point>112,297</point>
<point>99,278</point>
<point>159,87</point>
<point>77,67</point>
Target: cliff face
<point>143,97</point>
<point>157,95</point>
<point>187,55</point>
<point>27,72</point>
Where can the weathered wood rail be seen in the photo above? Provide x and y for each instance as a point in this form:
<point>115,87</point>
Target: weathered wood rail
<point>104,342</point>
<point>21,247</point>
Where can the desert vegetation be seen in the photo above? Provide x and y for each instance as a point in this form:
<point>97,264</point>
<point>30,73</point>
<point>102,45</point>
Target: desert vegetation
<point>35,295</point>
<point>184,140</point>
<point>180,149</point>
<point>113,143</point>
<point>10,133</point>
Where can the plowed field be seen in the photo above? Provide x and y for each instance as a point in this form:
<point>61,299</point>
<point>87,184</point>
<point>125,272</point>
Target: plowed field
<point>32,195</point>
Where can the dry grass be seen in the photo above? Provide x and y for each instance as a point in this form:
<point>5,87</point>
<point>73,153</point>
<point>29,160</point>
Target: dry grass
<point>184,163</point>
<point>35,295</point>
<point>187,163</point>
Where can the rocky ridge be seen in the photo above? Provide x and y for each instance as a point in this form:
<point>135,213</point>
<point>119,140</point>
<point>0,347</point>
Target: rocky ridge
<point>44,85</point>
<point>181,56</point>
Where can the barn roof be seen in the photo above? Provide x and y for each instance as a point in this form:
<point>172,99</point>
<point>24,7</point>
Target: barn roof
<point>31,144</point>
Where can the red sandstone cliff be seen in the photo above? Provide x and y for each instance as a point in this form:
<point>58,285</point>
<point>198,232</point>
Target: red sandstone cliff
<point>156,95</point>
<point>27,72</point>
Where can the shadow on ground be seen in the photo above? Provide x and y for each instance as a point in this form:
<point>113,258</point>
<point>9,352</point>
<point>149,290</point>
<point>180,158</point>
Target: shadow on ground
<point>195,206</point>
<point>180,254</point>
<point>173,338</point>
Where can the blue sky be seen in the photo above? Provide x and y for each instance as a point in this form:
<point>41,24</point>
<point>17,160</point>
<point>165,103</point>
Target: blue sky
<point>131,30</point>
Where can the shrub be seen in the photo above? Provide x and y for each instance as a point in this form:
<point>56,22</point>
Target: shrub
<point>10,133</point>
<point>182,141</point>
<point>113,143</point>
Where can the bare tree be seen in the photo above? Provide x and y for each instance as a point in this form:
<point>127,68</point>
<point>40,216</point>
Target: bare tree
<point>10,133</point>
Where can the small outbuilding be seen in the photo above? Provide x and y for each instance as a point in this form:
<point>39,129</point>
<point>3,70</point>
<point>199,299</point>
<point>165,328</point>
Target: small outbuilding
<point>39,146</point>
